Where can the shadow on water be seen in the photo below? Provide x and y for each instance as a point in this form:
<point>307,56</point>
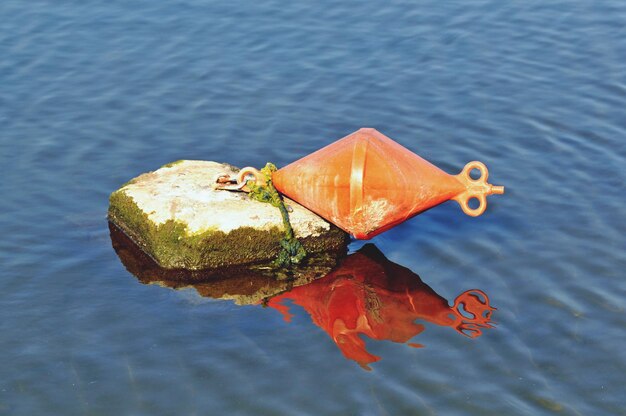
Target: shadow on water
<point>363,293</point>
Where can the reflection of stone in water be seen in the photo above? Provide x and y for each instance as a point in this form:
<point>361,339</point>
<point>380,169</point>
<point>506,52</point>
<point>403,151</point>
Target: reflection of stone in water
<point>243,284</point>
<point>370,295</point>
<point>365,295</point>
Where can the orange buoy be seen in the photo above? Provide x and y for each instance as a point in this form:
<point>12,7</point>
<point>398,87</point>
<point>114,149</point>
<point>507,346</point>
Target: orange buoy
<point>366,183</point>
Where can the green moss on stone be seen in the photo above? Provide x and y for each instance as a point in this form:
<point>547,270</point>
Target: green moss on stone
<point>329,240</point>
<point>130,182</point>
<point>169,165</point>
<point>172,247</point>
<point>247,284</point>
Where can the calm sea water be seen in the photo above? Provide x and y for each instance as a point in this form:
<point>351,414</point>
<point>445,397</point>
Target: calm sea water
<point>94,93</point>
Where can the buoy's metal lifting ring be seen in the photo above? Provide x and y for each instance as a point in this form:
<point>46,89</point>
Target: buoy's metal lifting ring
<point>239,182</point>
<point>249,173</point>
<point>475,188</point>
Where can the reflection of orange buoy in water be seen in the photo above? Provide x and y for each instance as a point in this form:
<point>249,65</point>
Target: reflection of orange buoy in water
<point>370,295</point>
<point>366,183</point>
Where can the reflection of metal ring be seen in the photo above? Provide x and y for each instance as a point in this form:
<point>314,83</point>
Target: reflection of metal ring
<point>475,293</point>
<point>473,302</point>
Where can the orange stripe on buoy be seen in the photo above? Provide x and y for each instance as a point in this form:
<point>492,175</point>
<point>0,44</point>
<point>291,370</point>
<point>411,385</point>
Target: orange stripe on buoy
<point>356,176</point>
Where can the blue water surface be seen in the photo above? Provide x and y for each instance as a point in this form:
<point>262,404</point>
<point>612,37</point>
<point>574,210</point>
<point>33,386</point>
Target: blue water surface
<point>93,93</point>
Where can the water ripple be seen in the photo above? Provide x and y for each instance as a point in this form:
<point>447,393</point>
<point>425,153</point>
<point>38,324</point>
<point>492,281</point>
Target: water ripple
<point>94,94</point>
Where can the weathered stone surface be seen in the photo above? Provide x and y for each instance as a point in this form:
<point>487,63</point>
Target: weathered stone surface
<point>175,215</point>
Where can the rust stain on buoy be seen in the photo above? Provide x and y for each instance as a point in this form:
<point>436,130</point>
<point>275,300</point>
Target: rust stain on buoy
<point>366,183</point>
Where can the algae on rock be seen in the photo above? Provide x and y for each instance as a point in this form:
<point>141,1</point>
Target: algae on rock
<point>176,216</point>
<point>243,284</point>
